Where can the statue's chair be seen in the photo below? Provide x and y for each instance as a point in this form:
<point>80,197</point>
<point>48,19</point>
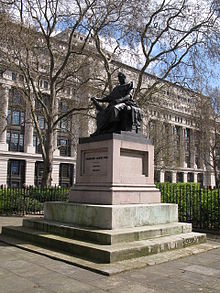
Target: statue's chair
<point>130,119</point>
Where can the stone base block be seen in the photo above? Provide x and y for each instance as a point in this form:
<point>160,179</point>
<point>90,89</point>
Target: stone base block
<point>105,253</point>
<point>106,236</point>
<point>114,195</point>
<point>111,216</point>
<point>115,169</point>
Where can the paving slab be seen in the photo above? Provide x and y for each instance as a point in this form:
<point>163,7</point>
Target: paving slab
<point>24,271</point>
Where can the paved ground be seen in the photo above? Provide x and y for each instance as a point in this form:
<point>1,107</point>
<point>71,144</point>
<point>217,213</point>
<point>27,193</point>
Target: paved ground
<point>22,271</point>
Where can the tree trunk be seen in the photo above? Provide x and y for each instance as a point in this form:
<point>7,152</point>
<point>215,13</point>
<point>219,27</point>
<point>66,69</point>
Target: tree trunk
<point>48,161</point>
<point>216,177</point>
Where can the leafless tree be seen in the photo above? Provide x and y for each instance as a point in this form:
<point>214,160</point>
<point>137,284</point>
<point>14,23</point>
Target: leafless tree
<point>208,123</point>
<point>47,63</point>
<point>166,38</point>
<point>162,36</point>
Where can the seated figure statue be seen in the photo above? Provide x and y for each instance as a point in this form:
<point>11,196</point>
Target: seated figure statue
<point>122,113</point>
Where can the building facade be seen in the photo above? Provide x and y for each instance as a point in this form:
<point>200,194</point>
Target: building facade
<point>178,153</point>
<point>20,152</point>
<point>170,124</point>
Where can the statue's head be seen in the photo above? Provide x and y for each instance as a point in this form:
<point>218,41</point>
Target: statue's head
<point>121,78</point>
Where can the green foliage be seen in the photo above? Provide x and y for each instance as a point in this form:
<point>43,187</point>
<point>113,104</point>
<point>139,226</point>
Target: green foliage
<point>33,206</point>
<point>11,201</point>
<point>29,200</point>
<point>49,194</point>
<point>197,205</point>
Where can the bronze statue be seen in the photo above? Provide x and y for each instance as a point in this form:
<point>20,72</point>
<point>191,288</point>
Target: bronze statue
<point>122,113</point>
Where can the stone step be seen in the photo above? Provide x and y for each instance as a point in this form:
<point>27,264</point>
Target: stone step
<point>110,269</point>
<point>105,253</point>
<point>107,236</point>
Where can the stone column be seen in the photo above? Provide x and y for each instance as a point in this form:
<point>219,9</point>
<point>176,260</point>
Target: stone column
<point>3,172</point>
<point>4,99</point>
<point>158,132</point>
<point>29,130</point>
<point>185,177</point>
<point>212,179</point>
<point>195,177</point>
<point>84,126</point>
<point>173,177</point>
<point>162,176</point>
<point>182,147</point>
<point>207,178</point>
<point>192,148</point>
<point>30,172</point>
<point>56,150</point>
<point>171,143</point>
<point>55,174</point>
<point>75,134</point>
<point>83,119</point>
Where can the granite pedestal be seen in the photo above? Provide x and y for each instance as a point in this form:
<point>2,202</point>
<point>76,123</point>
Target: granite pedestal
<point>114,213</point>
<point>115,169</point>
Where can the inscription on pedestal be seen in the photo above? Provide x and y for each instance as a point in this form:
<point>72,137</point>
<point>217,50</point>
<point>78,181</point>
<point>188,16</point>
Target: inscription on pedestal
<point>94,163</point>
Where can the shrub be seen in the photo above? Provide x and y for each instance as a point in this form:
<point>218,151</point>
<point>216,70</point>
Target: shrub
<point>200,206</point>
<point>29,199</point>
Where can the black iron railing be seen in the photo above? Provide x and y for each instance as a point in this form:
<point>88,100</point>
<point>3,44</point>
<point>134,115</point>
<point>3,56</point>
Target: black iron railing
<point>29,200</point>
<point>199,206</point>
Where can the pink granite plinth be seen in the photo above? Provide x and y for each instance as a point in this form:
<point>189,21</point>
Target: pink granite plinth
<point>115,194</point>
<point>115,169</point>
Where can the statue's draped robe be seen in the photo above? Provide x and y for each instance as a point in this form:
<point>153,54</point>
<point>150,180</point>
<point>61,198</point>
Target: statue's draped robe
<point>120,100</point>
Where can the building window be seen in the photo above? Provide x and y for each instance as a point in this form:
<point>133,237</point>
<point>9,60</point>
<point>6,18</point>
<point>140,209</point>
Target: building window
<point>200,178</point>
<point>152,129</point>
<point>16,173</point>
<point>16,114</point>
<point>21,78</point>
<point>66,175</point>
<point>15,141</point>
<point>15,98</point>
<point>39,170</point>
<point>64,124</point>
<point>41,122</point>
<point>45,99</point>
<point>156,176</point>
<point>13,76</point>
<point>168,176</point>
<point>179,177</point>
<point>16,117</point>
<point>64,146</point>
<point>15,122</point>
<point>36,144</point>
<point>198,162</point>
<point>187,160</point>
<point>190,177</point>
<point>46,84</point>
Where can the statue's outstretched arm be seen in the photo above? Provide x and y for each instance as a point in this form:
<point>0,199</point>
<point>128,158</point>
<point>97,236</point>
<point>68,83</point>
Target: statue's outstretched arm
<point>95,102</point>
<point>103,100</point>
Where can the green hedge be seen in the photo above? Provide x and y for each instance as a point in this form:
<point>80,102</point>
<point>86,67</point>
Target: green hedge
<point>197,205</point>
<point>11,202</point>
<point>29,200</point>
<point>49,194</point>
